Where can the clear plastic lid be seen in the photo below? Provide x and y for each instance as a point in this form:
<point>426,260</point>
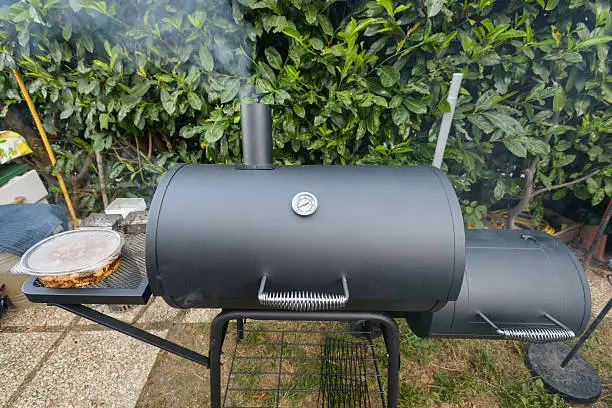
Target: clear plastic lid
<point>82,250</point>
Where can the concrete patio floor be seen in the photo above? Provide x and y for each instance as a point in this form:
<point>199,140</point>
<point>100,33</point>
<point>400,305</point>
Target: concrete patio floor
<point>52,358</point>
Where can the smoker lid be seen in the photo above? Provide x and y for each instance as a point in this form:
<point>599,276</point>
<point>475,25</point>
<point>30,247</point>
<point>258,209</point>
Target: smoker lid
<point>71,251</point>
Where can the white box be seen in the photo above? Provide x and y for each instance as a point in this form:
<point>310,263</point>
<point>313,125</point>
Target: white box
<point>124,206</point>
<point>27,185</point>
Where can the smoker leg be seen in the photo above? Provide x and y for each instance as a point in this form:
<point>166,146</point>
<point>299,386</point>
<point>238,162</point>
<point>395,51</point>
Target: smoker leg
<point>391,336</point>
<point>219,326</point>
<point>218,329</point>
<point>135,332</point>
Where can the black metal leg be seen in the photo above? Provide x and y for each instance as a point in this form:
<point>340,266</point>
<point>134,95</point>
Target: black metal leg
<point>218,329</point>
<point>219,325</point>
<point>588,333</point>
<point>239,329</point>
<point>135,332</point>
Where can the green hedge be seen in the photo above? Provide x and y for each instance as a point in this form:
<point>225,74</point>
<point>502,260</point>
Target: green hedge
<point>352,82</point>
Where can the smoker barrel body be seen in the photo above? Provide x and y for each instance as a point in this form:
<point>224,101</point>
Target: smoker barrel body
<point>394,233</point>
<point>515,279</point>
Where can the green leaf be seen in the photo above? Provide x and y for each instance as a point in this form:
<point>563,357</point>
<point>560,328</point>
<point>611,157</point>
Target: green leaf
<point>402,7</point>
<point>418,87</point>
<point>581,105</point>
<point>500,189</point>
<point>387,5</point>
<point>606,91</point>
<point>293,33</point>
<point>563,145</point>
<point>399,115</point>
<point>194,101</point>
<point>67,112</point>
<point>551,5</point>
<point>215,131</point>
<point>6,61</point>
<point>559,194</point>
<point>231,90</point>
<point>598,197</point>
<point>608,187</point>
<point>504,122</point>
<point>444,106</point>
<point>593,41</point>
<point>299,110</point>
<point>415,106</point>
<point>540,92</point>
<point>35,16</point>
<point>267,74</point>
<point>486,100</point>
<point>326,25</point>
<point>190,131</point>
<point>373,121</point>
<point>104,121</point>
<point>481,123</point>
<point>168,101</point>
<point>594,151</point>
<point>535,146</point>
<point>67,31</point>
<point>206,59</point>
<point>559,100</point>
<point>515,147</point>
<point>274,58</point>
<point>448,39</point>
<point>592,185</point>
<point>388,75</point>
<point>559,129</point>
<point>569,159</point>
<point>278,23</point>
<point>433,7</point>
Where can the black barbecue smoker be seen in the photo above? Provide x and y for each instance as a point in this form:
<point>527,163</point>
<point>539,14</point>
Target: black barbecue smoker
<point>269,242</point>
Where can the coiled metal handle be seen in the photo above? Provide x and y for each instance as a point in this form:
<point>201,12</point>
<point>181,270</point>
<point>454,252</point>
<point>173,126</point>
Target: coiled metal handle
<point>537,335</point>
<point>302,301</point>
<point>534,334</point>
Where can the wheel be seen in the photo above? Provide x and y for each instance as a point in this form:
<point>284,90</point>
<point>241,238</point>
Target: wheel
<point>363,329</point>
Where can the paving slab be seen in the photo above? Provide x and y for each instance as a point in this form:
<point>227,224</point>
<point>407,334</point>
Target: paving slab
<point>38,315</point>
<point>19,354</point>
<point>159,311</point>
<point>201,315</point>
<point>91,369</point>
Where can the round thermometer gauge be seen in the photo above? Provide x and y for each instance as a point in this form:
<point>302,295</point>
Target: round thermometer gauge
<point>304,203</point>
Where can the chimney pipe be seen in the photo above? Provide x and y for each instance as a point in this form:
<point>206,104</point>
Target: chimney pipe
<point>256,124</point>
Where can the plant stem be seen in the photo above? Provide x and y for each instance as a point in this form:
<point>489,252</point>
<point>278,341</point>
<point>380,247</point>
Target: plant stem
<point>569,183</point>
<point>102,181</point>
<point>528,190</point>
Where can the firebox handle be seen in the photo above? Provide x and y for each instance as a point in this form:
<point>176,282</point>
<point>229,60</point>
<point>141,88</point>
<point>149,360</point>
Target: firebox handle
<point>303,301</point>
<point>533,334</point>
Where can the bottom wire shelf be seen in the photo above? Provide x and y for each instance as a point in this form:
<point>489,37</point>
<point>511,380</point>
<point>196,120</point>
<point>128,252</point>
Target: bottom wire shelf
<point>304,367</point>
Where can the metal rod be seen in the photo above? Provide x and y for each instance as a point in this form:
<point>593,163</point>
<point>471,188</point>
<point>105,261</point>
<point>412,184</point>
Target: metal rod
<point>135,332</point>
<point>447,119</point>
<point>587,333</point>
<point>490,323</point>
<point>605,219</point>
<point>280,370</point>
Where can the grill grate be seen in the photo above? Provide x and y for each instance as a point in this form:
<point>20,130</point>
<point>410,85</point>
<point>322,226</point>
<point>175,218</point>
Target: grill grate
<point>130,272</point>
<point>296,368</point>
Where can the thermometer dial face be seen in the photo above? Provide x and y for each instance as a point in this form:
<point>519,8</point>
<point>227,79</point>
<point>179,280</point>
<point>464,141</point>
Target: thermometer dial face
<point>304,203</point>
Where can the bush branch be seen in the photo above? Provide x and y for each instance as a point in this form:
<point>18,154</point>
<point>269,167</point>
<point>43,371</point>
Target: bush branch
<point>569,183</point>
<point>102,180</point>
